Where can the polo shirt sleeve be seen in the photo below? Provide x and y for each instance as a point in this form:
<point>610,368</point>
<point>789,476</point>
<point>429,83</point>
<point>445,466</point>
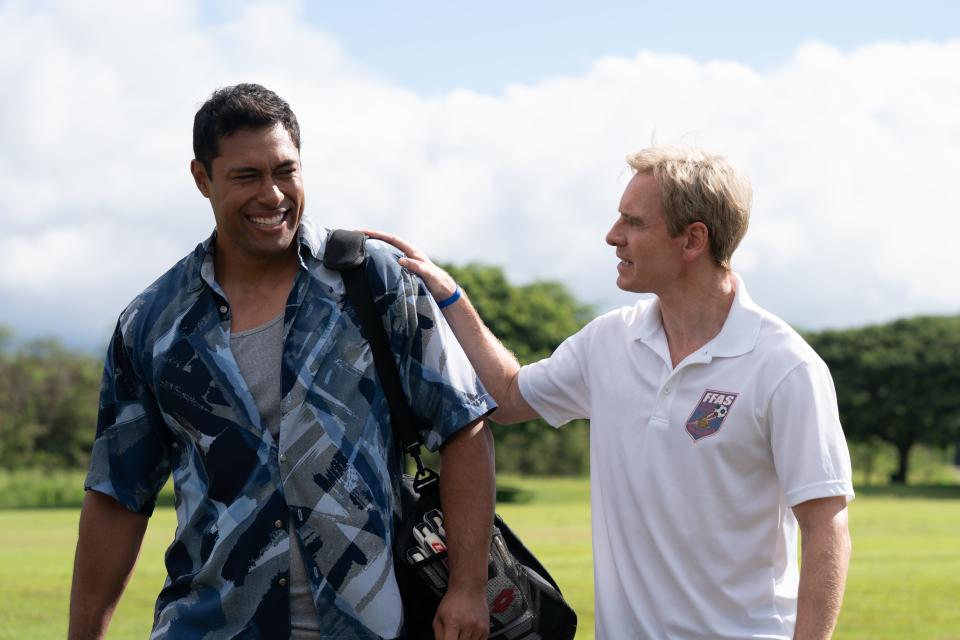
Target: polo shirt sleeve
<point>440,383</point>
<point>129,461</point>
<point>557,387</point>
<point>809,449</point>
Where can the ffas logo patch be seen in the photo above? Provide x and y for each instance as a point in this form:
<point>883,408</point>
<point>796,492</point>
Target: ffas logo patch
<point>709,415</point>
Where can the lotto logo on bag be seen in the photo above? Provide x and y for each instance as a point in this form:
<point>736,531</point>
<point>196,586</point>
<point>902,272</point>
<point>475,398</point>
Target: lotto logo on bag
<point>709,415</point>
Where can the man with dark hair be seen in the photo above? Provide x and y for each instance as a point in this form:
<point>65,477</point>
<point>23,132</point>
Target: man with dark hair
<point>243,372</point>
<point>244,106</point>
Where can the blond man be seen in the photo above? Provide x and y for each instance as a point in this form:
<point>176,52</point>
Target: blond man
<point>714,427</point>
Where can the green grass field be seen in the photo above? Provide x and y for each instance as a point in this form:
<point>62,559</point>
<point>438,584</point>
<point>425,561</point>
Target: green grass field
<point>903,582</point>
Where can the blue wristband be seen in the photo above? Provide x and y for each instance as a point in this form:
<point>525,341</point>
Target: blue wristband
<point>449,301</point>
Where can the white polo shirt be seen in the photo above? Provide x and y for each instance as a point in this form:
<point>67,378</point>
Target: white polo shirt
<point>693,469</point>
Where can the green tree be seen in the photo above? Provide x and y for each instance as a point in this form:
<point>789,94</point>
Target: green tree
<point>48,404</point>
<point>531,320</point>
<point>897,382</point>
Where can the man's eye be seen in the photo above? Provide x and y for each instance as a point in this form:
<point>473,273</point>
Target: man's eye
<point>244,177</point>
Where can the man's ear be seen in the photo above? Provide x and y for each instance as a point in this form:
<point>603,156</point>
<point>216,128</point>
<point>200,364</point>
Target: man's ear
<point>200,177</point>
<point>696,240</point>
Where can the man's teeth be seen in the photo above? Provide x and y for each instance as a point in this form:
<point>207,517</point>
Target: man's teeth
<point>268,221</point>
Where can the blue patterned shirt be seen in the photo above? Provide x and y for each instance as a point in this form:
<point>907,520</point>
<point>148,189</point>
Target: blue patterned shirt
<point>173,400</point>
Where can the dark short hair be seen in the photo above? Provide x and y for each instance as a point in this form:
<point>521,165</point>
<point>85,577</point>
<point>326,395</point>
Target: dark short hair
<point>242,106</point>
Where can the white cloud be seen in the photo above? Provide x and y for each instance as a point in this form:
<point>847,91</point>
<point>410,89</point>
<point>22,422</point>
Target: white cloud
<point>850,154</point>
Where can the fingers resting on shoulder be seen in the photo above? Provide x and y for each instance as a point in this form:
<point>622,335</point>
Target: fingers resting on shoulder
<point>440,284</point>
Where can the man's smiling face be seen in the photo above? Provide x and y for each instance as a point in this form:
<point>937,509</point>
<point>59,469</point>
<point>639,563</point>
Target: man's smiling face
<point>256,191</point>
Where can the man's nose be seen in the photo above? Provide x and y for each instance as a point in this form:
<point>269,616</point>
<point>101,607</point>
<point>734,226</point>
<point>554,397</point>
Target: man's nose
<point>614,237</point>
<point>270,194</point>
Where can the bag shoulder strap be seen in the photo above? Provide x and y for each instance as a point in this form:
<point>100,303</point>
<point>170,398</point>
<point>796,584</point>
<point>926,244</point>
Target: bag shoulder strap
<point>345,251</point>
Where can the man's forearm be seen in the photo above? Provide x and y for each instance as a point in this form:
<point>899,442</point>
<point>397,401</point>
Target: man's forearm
<point>467,493</point>
<point>496,366</point>
<point>107,548</point>
<point>823,573</point>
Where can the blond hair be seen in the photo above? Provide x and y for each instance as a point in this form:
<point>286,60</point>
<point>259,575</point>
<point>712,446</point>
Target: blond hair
<point>698,186</point>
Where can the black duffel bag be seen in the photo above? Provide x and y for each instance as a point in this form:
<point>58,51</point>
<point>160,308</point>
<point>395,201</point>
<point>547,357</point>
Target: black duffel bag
<point>523,598</point>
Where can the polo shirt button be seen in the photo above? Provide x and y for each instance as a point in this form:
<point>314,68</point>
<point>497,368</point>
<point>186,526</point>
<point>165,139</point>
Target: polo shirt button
<point>224,308</point>
<point>666,390</point>
<point>283,457</point>
<point>278,524</point>
<point>283,582</point>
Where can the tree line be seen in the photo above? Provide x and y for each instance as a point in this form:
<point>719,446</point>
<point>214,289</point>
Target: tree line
<point>897,383</point>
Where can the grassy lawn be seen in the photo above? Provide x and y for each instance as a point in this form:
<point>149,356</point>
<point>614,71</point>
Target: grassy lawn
<point>903,582</point>
<point>905,575</point>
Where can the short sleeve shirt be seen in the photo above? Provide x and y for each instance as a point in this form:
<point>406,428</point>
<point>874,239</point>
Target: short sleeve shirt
<point>694,468</point>
<point>173,400</point>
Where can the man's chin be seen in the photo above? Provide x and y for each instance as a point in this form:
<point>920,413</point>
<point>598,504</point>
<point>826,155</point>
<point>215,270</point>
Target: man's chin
<point>629,287</point>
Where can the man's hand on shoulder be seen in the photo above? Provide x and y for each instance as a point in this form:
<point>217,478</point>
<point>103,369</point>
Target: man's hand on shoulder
<point>494,363</point>
<point>462,615</point>
<point>439,283</point>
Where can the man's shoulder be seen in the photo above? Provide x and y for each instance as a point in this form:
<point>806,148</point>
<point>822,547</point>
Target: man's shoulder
<point>382,257</point>
<point>385,256</point>
<point>612,329</point>
<point>780,341</point>
<point>165,294</point>
<point>384,270</point>
<point>628,318</point>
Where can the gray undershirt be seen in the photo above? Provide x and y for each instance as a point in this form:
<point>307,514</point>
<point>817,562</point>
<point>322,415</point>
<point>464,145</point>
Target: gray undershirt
<point>259,353</point>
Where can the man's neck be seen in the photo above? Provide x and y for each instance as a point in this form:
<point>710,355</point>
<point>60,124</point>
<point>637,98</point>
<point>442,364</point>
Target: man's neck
<point>256,288</point>
<point>694,310</point>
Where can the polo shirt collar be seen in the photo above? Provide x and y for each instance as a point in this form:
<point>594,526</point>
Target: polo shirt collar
<point>738,335</point>
<point>741,330</point>
<point>650,321</point>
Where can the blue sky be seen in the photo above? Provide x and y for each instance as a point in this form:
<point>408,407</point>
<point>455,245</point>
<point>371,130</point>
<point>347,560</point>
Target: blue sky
<point>491,133</point>
<point>438,46</point>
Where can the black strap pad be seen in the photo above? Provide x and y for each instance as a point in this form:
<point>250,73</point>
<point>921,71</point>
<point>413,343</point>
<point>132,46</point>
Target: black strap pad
<point>344,250</point>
